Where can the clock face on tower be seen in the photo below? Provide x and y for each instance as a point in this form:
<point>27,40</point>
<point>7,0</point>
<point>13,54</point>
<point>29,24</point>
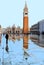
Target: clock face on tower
<point>26,13</point>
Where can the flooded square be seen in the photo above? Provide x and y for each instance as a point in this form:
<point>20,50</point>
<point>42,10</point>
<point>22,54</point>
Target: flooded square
<point>22,50</point>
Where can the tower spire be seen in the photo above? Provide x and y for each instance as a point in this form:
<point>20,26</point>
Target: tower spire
<point>25,4</point>
<point>26,8</point>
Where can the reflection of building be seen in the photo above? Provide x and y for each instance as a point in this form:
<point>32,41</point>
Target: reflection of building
<point>25,41</point>
<point>25,19</point>
<point>38,39</point>
<point>38,28</point>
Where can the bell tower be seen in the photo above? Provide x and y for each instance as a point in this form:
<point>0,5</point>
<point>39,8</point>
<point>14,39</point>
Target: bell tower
<point>25,19</point>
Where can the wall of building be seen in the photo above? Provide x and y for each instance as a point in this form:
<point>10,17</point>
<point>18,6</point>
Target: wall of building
<point>41,26</point>
<point>0,29</point>
<point>37,28</point>
<point>14,30</point>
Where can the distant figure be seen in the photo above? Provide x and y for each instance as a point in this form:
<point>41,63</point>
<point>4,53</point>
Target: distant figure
<point>7,36</point>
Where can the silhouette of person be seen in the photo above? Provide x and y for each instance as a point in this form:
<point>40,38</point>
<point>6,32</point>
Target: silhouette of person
<point>7,36</point>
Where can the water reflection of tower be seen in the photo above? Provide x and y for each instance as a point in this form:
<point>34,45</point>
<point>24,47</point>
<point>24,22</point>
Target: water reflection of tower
<point>25,41</point>
<point>26,55</point>
<point>25,20</point>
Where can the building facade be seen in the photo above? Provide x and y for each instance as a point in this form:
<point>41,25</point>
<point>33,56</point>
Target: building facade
<point>35,29</point>
<point>0,29</point>
<point>41,26</point>
<point>13,30</point>
<point>38,28</point>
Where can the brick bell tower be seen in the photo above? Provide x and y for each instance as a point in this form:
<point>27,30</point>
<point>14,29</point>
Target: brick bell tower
<point>25,19</point>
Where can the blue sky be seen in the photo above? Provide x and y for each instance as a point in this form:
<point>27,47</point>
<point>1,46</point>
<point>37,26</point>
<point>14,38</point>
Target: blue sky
<point>11,12</point>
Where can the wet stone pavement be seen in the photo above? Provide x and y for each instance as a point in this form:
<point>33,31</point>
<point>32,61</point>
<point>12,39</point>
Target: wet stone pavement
<point>18,55</point>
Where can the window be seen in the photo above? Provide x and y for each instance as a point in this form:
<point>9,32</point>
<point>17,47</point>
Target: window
<point>26,13</point>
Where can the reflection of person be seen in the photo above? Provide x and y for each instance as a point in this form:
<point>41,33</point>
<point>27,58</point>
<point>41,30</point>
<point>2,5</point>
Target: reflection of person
<point>6,47</point>
<point>7,36</point>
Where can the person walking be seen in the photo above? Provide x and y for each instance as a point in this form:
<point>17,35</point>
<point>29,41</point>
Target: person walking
<point>7,37</point>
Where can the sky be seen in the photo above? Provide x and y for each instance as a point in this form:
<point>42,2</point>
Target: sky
<point>11,12</point>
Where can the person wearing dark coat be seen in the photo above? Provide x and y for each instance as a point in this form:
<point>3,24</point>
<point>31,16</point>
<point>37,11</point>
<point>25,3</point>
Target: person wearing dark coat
<point>7,36</point>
